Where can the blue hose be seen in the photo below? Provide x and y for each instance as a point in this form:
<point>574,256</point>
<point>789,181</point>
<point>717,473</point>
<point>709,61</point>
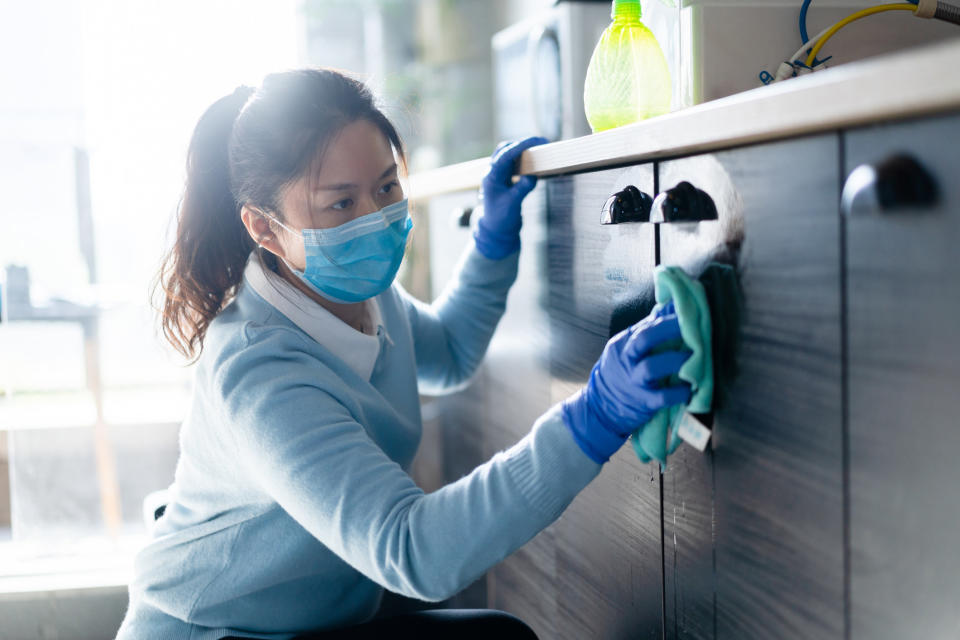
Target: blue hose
<point>804,38</point>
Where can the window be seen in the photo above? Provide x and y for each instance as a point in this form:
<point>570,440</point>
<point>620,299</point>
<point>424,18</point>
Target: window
<point>92,150</point>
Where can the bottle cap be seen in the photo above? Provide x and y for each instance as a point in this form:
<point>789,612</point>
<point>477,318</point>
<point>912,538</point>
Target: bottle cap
<point>626,9</point>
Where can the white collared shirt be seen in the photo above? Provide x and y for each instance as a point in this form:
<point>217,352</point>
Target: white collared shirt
<point>358,350</point>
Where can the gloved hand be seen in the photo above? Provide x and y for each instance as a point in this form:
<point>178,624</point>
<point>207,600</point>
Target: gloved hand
<point>624,390</point>
<point>498,230</point>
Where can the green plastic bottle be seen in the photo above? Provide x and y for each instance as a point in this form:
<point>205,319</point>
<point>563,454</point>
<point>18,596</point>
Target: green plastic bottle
<point>627,79</point>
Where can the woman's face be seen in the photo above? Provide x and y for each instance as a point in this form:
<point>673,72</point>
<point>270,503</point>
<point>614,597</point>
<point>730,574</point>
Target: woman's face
<point>357,175</point>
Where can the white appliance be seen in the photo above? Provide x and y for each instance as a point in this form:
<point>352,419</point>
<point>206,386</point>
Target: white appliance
<point>716,48</point>
<point>539,66</point>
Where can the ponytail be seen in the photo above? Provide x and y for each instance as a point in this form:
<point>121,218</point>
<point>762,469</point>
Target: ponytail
<point>200,273</point>
<point>246,148</point>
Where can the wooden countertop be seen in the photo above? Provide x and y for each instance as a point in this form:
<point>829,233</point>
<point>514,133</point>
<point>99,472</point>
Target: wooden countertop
<point>919,81</point>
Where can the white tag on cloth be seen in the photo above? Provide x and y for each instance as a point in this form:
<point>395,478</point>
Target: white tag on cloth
<point>693,432</point>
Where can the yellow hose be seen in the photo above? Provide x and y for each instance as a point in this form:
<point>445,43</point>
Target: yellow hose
<point>855,16</point>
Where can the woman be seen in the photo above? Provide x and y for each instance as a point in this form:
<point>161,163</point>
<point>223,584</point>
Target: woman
<point>291,509</point>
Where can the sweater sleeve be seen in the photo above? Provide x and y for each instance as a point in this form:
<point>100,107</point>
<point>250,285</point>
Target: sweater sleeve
<point>306,450</point>
<point>452,334</point>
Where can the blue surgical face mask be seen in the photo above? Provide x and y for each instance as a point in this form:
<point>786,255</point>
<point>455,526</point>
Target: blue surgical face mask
<point>358,259</point>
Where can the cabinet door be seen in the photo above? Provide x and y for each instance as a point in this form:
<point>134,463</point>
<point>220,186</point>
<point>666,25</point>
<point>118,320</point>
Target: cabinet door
<point>515,383</point>
<point>600,280</point>
<point>904,376</point>
<point>597,571</point>
<point>454,425</point>
<point>753,527</point>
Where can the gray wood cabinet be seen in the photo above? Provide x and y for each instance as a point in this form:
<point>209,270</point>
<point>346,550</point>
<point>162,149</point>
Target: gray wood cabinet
<point>607,542</point>
<point>753,529</point>
<point>903,306</point>
<point>827,503</point>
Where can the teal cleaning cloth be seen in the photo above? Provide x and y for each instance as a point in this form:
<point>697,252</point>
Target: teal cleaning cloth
<point>658,438</point>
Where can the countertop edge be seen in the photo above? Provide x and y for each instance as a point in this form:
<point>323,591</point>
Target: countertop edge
<point>850,95</point>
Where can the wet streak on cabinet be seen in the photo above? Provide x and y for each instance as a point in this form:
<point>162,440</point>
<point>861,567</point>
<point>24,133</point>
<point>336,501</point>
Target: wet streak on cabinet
<point>753,529</point>
<point>688,545</point>
<point>608,544</point>
<point>903,302</point>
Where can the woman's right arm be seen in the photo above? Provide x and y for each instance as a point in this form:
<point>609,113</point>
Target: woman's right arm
<point>310,454</point>
<point>307,451</point>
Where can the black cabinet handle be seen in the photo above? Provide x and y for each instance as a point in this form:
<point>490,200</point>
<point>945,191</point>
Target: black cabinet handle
<point>461,216</point>
<point>683,203</point>
<point>629,205</point>
<point>897,182</point>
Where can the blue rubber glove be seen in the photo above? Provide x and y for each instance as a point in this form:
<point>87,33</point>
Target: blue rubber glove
<point>498,230</point>
<point>624,390</point>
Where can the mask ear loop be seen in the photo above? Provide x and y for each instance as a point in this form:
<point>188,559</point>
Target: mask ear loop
<point>302,239</point>
<point>263,215</point>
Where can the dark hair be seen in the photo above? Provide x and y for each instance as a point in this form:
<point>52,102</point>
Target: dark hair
<point>246,147</point>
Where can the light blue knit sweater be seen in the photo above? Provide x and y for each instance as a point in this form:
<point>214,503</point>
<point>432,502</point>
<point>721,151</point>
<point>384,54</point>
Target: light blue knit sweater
<point>292,508</point>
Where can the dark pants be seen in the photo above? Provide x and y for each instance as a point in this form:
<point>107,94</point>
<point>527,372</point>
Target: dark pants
<point>433,624</point>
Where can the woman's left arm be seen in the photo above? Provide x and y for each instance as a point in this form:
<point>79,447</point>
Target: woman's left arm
<point>452,334</point>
